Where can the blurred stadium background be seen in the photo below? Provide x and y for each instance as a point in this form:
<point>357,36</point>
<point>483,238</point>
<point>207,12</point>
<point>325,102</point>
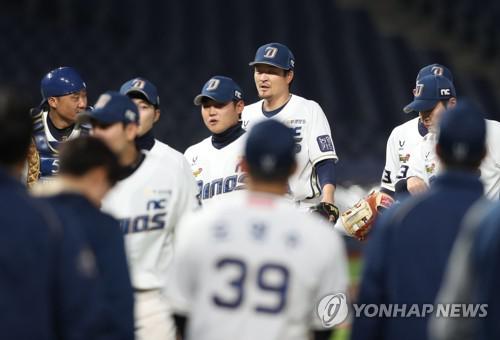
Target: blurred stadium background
<point>357,58</point>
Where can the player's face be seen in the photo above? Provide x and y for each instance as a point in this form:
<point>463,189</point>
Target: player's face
<point>218,117</point>
<point>114,135</point>
<point>431,118</point>
<point>68,106</point>
<point>271,81</point>
<point>148,115</point>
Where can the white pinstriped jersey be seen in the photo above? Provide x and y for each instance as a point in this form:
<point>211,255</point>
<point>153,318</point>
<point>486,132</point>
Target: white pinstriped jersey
<point>426,164</point>
<point>398,154</point>
<point>313,137</point>
<point>217,171</point>
<point>149,204</point>
<point>254,268</point>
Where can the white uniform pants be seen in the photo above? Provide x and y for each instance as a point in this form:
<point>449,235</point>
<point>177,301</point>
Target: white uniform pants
<point>153,319</point>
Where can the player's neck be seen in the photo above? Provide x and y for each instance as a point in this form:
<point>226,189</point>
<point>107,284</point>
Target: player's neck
<point>274,188</point>
<point>130,156</point>
<point>82,185</point>
<point>58,121</point>
<point>276,102</point>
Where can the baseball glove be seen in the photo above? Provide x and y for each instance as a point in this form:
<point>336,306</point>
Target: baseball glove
<point>359,219</point>
<point>327,210</point>
<point>33,165</point>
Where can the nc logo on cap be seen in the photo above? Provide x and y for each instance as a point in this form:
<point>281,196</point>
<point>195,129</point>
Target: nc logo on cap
<point>445,92</point>
<point>418,89</point>
<point>102,101</point>
<point>270,52</point>
<point>213,84</point>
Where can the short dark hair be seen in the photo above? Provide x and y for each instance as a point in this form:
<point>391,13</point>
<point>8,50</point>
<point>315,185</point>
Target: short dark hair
<point>16,129</point>
<point>80,155</point>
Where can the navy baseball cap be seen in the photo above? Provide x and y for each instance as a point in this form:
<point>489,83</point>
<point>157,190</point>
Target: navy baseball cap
<point>143,87</point>
<point>275,54</point>
<point>435,69</point>
<point>462,132</point>
<point>428,92</point>
<point>270,148</point>
<point>112,107</point>
<point>221,89</point>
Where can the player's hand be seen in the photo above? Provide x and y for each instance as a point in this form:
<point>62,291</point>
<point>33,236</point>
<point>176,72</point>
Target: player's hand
<point>415,185</point>
<point>327,210</point>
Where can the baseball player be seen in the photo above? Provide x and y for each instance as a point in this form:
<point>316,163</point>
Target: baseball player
<point>64,95</point>
<point>48,285</point>
<point>436,94</point>
<point>148,201</point>
<point>215,161</point>
<point>249,269</point>
<point>358,219</point>
<point>406,257</point>
<point>314,181</point>
<point>406,136</point>
<point>145,95</point>
<point>88,170</point>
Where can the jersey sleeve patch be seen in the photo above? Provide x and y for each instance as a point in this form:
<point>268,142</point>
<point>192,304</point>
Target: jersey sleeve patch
<point>325,143</point>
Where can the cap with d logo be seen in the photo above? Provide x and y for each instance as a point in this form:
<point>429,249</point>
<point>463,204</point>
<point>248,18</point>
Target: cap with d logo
<point>220,89</point>
<point>143,87</point>
<point>428,92</point>
<point>275,54</point>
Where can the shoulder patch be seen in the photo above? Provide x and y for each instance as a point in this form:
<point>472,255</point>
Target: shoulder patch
<point>325,143</point>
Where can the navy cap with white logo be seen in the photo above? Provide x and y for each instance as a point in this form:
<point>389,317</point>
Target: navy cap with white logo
<point>462,133</point>
<point>112,107</point>
<point>429,91</point>
<point>275,54</point>
<point>435,69</point>
<point>143,87</point>
<point>270,148</point>
<point>220,89</point>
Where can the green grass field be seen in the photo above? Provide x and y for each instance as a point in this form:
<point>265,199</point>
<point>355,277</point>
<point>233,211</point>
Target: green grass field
<point>355,265</point>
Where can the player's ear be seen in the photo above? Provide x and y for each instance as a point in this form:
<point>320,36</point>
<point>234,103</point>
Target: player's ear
<point>52,101</point>
<point>131,131</point>
<point>240,104</point>
<point>452,102</point>
<point>289,76</point>
<point>244,165</point>
<point>157,115</point>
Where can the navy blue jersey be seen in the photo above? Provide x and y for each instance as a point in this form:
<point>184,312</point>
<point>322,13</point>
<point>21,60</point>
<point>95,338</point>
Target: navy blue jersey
<point>104,236</point>
<point>407,255</point>
<point>47,274</point>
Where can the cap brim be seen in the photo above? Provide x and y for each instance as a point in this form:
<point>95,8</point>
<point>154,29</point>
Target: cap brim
<point>199,99</point>
<point>268,63</point>
<point>140,91</point>
<point>420,105</point>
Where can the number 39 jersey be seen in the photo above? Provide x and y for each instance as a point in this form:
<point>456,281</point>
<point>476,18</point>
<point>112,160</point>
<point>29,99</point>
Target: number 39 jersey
<point>217,172</point>
<point>313,138</point>
<point>148,204</point>
<point>254,269</point>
